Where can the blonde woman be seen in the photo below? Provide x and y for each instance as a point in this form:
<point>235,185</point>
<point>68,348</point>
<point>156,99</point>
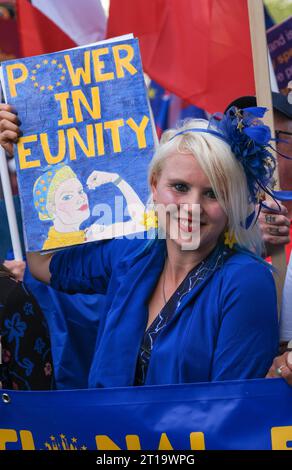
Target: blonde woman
<point>198,306</point>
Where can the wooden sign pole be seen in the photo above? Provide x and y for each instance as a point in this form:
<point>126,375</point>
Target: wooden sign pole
<point>264,98</point>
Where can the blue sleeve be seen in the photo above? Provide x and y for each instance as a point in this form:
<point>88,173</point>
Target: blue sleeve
<point>248,336</point>
<point>85,268</point>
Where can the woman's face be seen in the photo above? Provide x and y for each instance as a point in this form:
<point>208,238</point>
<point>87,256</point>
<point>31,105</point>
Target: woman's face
<point>194,214</point>
<point>71,202</point>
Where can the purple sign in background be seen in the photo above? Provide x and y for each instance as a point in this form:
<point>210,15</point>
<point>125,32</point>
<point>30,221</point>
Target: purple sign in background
<point>280,46</point>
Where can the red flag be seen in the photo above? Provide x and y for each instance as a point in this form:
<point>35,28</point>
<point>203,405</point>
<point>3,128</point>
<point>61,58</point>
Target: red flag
<point>8,39</point>
<point>200,50</point>
<point>37,33</point>
<point>49,26</point>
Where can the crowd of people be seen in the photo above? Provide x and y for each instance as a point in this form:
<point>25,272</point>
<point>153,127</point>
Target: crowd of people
<point>173,308</point>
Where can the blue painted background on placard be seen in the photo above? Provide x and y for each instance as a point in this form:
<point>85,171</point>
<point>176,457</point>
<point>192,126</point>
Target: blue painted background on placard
<point>121,98</point>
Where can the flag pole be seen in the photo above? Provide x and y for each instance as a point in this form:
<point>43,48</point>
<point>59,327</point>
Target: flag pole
<point>264,98</point>
<point>10,209</point>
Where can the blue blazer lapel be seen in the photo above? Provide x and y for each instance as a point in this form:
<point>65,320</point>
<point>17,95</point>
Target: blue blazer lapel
<point>115,359</point>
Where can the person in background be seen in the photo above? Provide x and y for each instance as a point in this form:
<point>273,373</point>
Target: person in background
<point>16,268</point>
<point>282,365</point>
<point>26,349</point>
<point>277,226</point>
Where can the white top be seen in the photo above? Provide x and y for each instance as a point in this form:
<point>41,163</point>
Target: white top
<point>286,313</point>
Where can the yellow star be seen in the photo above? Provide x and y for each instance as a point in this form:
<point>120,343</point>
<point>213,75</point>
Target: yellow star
<point>74,439</point>
<point>83,448</point>
<point>33,78</point>
<point>62,436</point>
<point>52,438</point>
<point>240,125</point>
<point>150,220</point>
<point>50,87</point>
<point>64,71</point>
<point>151,93</point>
<point>42,87</point>
<point>54,61</point>
<point>38,66</point>
<point>58,83</point>
<point>230,239</point>
<point>62,78</point>
<point>36,84</point>
<point>45,61</point>
<point>60,66</point>
<point>34,71</point>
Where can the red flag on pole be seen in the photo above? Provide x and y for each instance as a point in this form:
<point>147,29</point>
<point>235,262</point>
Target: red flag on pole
<point>53,25</point>
<point>200,50</point>
<point>37,33</point>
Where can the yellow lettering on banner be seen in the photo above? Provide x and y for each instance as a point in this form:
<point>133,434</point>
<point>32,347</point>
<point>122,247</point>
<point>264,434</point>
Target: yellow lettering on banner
<point>280,436</point>
<point>73,135</point>
<point>124,62</point>
<point>7,435</point>
<point>197,441</point>
<point>139,130</point>
<point>23,152</point>
<point>78,98</point>
<point>105,443</point>
<point>114,128</point>
<point>164,443</point>
<point>98,65</point>
<point>14,80</point>
<point>99,138</point>
<point>84,73</point>
<point>54,159</point>
<point>27,440</point>
<point>133,442</point>
<point>63,98</point>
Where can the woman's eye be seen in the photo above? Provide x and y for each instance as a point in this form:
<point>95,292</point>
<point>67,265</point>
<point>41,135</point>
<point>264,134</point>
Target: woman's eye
<point>81,191</point>
<point>66,197</point>
<point>210,194</point>
<point>181,187</point>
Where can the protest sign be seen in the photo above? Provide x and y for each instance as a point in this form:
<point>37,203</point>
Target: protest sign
<point>87,141</point>
<point>280,46</point>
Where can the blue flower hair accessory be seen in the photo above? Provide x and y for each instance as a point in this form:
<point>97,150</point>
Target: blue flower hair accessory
<point>249,139</point>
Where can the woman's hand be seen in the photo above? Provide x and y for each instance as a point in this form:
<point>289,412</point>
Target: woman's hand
<point>275,226</point>
<point>9,127</point>
<point>282,367</point>
<point>98,178</point>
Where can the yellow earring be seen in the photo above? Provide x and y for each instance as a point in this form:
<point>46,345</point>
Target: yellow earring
<point>150,218</point>
<point>229,239</point>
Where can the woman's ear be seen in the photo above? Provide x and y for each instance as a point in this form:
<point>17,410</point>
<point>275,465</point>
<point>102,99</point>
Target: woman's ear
<point>153,184</point>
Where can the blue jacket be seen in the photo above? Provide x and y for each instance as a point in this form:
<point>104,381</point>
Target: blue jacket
<point>225,329</point>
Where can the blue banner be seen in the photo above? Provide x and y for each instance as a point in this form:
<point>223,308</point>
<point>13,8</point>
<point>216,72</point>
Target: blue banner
<point>252,414</point>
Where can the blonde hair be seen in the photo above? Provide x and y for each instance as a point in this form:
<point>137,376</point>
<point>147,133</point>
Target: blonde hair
<point>224,171</point>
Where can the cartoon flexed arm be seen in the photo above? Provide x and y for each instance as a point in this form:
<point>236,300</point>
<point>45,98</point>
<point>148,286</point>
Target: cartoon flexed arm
<point>136,207</point>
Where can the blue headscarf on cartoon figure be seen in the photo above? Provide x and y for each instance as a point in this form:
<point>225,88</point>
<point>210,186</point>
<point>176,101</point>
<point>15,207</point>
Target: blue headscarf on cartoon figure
<point>45,187</point>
